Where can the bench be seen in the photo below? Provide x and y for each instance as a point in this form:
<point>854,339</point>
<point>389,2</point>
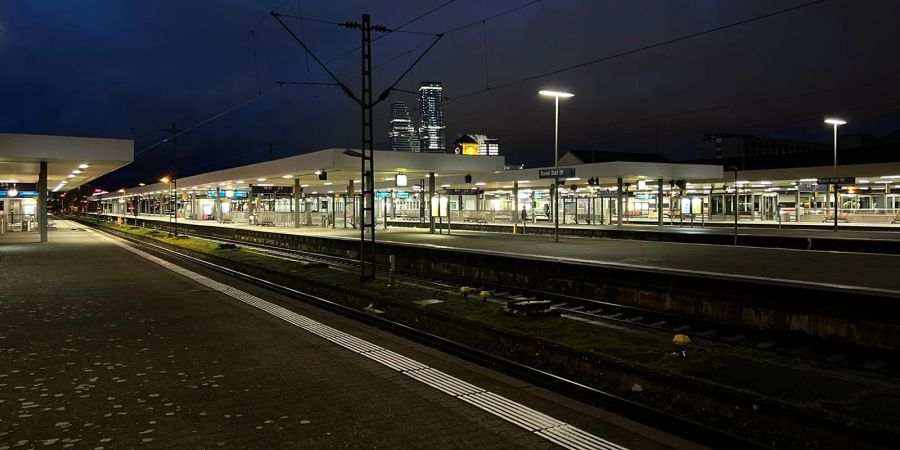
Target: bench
<point>266,223</point>
<point>842,217</point>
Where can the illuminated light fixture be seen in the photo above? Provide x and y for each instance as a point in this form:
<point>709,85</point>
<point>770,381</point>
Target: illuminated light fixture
<point>76,171</point>
<point>558,94</point>
<point>164,179</point>
<point>765,182</point>
<point>445,185</point>
<point>327,183</point>
<point>331,192</point>
<point>388,178</point>
<point>480,183</point>
<point>573,179</point>
<point>835,121</point>
<point>402,180</point>
<point>12,192</point>
<point>356,181</point>
<point>304,185</point>
<point>221,184</point>
<point>287,176</point>
<point>260,179</point>
<point>239,181</point>
<point>70,176</point>
<point>863,181</point>
<point>642,184</point>
<point>142,184</point>
<point>524,181</point>
<point>741,182</point>
<point>265,184</point>
<point>809,180</point>
<point>890,177</point>
<point>318,172</point>
<point>507,186</point>
<point>83,166</point>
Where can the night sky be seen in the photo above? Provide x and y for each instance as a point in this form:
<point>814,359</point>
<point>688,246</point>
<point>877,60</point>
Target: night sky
<point>128,69</point>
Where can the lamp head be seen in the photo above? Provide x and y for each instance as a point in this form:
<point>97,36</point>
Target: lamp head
<point>558,94</point>
<point>164,179</point>
<point>835,121</point>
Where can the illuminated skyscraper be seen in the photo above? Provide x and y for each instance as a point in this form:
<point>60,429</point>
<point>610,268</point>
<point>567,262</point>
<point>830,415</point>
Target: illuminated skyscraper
<point>431,132</point>
<point>402,132</point>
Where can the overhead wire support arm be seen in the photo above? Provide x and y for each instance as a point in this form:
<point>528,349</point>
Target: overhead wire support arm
<point>387,91</point>
<point>343,86</point>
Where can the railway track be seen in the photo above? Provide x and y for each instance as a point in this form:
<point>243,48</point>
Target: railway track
<point>792,344</point>
<point>677,425</point>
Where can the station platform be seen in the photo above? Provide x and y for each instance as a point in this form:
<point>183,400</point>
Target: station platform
<point>840,270</point>
<point>105,346</point>
<point>754,228</point>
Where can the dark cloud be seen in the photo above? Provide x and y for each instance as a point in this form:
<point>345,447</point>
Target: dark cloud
<point>129,69</point>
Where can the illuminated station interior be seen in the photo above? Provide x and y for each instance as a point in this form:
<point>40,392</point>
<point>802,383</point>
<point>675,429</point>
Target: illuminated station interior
<point>322,188</point>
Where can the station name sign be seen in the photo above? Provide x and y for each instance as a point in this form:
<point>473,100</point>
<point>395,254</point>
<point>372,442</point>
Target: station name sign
<point>462,191</point>
<point>837,180</point>
<point>567,172</point>
<point>272,190</point>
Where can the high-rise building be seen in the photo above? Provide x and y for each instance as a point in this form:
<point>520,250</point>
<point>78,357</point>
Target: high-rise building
<point>402,132</point>
<point>431,131</point>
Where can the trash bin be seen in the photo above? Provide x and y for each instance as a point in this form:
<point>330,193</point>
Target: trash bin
<point>24,225</point>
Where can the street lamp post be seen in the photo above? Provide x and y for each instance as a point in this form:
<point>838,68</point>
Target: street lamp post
<point>556,96</point>
<point>835,122</point>
<point>173,230</point>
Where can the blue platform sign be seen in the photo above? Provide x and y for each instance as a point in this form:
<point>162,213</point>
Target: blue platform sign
<point>566,172</point>
<point>837,180</point>
<point>19,194</point>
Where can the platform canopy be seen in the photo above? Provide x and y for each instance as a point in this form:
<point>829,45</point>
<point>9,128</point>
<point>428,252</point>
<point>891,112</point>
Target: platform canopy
<point>71,161</point>
<point>341,166</point>
<point>607,173</point>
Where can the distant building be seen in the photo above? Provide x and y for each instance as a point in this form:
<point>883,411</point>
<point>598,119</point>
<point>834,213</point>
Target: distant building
<point>465,145</point>
<point>402,132</point>
<point>431,131</point>
<point>476,144</point>
<point>726,145</point>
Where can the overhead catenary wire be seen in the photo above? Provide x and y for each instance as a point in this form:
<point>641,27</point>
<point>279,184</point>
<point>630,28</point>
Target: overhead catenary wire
<point>343,86</point>
<point>210,119</point>
<point>276,88</point>
<point>639,49</point>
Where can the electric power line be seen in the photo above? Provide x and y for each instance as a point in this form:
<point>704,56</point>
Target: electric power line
<point>639,49</point>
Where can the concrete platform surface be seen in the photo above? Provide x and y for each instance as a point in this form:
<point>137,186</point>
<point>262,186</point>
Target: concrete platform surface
<point>104,348</point>
<point>824,268</point>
